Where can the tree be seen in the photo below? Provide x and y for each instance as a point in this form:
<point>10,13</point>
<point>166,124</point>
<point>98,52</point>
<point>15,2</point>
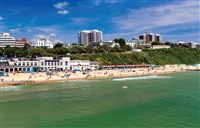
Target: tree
<point>168,43</point>
<point>36,52</point>
<point>95,45</point>
<point>20,52</point>
<point>1,51</point>
<point>59,51</point>
<point>9,51</point>
<point>73,50</point>
<point>116,48</point>
<point>58,45</point>
<point>88,49</point>
<point>127,48</point>
<point>27,46</point>
<point>156,43</point>
<point>106,48</point>
<point>121,41</point>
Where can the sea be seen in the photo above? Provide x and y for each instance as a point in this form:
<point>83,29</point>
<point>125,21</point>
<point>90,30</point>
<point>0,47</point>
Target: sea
<point>157,101</point>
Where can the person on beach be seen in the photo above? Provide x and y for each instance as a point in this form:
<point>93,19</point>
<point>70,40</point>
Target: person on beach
<point>87,76</point>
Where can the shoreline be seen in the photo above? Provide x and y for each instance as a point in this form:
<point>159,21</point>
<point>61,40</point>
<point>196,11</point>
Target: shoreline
<point>93,75</point>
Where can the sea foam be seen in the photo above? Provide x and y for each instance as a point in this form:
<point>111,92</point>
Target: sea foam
<point>10,88</point>
<point>83,81</point>
<point>141,77</point>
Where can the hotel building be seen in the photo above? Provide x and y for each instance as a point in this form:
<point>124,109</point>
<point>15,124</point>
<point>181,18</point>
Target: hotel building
<point>6,40</point>
<point>150,37</point>
<point>20,43</point>
<point>85,37</point>
<point>44,42</point>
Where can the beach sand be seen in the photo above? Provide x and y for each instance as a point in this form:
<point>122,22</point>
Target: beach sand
<point>41,77</point>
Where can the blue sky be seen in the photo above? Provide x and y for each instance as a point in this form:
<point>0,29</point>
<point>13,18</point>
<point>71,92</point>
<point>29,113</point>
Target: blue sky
<point>175,20</point>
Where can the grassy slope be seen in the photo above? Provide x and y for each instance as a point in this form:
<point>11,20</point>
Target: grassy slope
<point>177,55</point>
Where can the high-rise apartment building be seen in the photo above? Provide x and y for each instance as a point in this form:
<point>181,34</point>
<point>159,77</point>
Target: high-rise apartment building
<point>150,37</point>
<point>6,40</point>
<point>85,37</point>
<point>44,42</point>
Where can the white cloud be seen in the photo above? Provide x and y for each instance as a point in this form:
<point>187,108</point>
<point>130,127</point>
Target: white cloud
<point>61,5</point>
<point>54,40</point>
<point>80,20</point>
<point>52,35</point>
<point>112,36</point>
<point>1,18</point>
<point>63,12</point>
<point>14,30</point>
<point>159,16</point>
<point>29,30</point>
<point>58,40</point>
<point>167,19</point>
<point>186,37</point>
<point>98,2</point>
<point>47,29</point>
<point>112,1</point>
<point>40,36</point>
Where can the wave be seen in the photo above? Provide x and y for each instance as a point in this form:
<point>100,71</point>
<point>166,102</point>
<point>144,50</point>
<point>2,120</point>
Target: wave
<point>83,81</point>
<point>10,88</point>
<point>141,77</point>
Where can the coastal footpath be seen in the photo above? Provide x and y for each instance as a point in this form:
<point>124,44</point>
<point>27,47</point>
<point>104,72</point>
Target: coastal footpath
<point>43,77</point>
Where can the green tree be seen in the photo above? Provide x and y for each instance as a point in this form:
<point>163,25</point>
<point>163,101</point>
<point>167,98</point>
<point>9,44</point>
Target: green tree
<point>1,52</point>
<point>89,49</point>
<point>116,48</point>
<point>156,43</point>
<point>27,46</point>
<point>121,41</point>
<point>36,52</point>
<point>127,48</point>
<point>168,43</point>
<point>73,50</point>
<point>9,51</point>
<point>58,45</point>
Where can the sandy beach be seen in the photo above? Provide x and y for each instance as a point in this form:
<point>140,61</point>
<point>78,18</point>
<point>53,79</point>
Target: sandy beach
<point>42,77</point>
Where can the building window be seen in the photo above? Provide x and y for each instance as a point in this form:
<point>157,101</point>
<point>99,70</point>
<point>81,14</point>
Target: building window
<point>61,63</point>
<point>31,63</point>
<point>19,64</point>
<point>42,63</point>
<point>35,63</point>
<point>66,62</point>
<point>27,63</point>
<point>23,63</point>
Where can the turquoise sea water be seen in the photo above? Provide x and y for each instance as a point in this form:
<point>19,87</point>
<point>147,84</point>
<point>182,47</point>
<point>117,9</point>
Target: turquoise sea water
<point>169,100</point>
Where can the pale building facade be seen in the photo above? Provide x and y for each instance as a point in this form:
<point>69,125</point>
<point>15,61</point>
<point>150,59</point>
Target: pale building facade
<point>44,42</point>
<point>85,37</point>
<point>45,64</point>
<point>6,40</point>
<point>79,64</point>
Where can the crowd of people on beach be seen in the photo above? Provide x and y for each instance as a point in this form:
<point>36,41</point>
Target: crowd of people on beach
<point>92,74</point>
